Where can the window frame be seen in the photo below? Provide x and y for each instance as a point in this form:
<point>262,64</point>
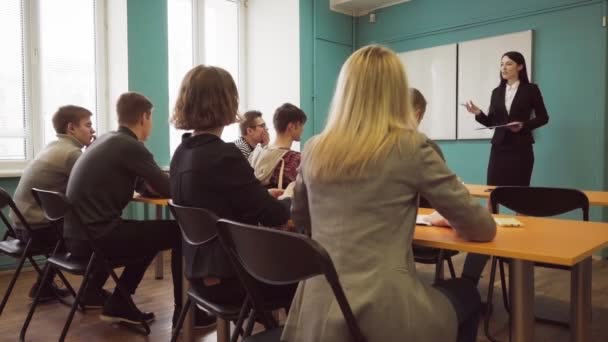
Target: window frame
<point>198,48</point>
<point>34,130</point>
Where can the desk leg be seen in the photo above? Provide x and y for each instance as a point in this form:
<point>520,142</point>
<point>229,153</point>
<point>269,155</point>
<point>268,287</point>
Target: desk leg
<point>188,327</point>
<point>159,257</point>
<point>521,292</point>
<point>580,302</point>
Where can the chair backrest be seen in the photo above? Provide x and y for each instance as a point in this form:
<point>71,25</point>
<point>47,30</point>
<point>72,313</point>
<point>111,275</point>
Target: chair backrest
<point>539,201</point>
<point>198,225</point>
<point>55,205</point>
<point>276,257</point>
<point>7,200</point>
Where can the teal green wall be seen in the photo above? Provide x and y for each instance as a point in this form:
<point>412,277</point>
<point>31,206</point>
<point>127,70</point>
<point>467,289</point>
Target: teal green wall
<point>326,40</point>
<point>148,74</point>
<point>569,64</point>
<point>148,66</point>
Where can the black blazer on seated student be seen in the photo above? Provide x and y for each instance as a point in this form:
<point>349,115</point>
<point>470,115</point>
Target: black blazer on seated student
<point>208,173</point>
<point>512,158</point>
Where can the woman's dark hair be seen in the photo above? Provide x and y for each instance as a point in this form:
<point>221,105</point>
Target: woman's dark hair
<point>520,60</point>
<point>207,99</point>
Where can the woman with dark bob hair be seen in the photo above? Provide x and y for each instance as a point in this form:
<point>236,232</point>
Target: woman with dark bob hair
<point>208,173</point>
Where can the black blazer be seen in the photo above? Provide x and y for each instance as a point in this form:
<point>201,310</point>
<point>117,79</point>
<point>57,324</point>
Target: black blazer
<point>528,99</point>
<point>208,173</point>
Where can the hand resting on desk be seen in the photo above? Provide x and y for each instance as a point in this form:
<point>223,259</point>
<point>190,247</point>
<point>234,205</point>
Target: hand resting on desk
<point>436,219</point>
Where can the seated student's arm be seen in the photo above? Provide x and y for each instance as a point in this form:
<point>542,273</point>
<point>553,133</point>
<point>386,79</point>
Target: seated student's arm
<point>247,195</point>
<point>72,157</point>
<point>140,161</point>
<point>440,186</point>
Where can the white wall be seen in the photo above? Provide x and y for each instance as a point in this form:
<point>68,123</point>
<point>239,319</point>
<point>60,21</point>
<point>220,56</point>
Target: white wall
<point>272,56</point>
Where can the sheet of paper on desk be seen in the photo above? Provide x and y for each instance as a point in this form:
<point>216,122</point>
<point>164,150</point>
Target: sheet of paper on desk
<point>508,222</point>
<point>422,220</point>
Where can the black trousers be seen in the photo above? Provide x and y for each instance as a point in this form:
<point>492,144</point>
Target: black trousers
<point>138,240</point>
<point>466,301</point>
<point>43,237</point>
<point>508,165</point>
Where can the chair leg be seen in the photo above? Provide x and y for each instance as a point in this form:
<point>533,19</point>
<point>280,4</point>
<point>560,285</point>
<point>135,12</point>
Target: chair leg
<point>30,314</point>
<point>489,300</point>
<point>35,265</point>
<point>223,330</point>
<point>503,284</point>
<point>72,292</point>
<point>11,285</point>
<point>180,321</point>
<point>85,281</point>
<point>451,267</point>
<point>238,330</point>
<point>127,297</point>
<point>250,322</point>
<point>439,267</point>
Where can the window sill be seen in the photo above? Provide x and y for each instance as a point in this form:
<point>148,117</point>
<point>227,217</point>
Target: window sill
<point>8,173</point>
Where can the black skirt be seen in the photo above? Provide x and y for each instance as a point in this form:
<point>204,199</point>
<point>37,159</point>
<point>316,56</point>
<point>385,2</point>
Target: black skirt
<point>510,165</point>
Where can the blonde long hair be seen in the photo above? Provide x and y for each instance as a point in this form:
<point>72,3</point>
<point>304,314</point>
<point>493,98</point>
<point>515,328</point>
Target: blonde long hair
<point>369,113</point>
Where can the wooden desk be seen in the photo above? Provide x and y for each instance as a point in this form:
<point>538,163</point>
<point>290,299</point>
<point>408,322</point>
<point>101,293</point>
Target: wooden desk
<point>560,242</point>
<point>159,203</point>
<point>599,198</point>
<point>188,327</point>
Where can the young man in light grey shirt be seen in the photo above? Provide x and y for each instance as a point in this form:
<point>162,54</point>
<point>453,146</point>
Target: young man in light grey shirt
<point>50,170</point>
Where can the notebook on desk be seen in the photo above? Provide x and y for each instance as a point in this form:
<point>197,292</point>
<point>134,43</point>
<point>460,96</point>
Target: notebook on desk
<point>507,222</point>
<point>422,220</point>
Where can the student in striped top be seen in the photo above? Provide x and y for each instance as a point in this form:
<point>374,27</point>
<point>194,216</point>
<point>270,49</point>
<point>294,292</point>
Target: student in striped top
<point>253,132</point>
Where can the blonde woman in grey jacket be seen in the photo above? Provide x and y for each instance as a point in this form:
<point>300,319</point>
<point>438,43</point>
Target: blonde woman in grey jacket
<point>357,193</point>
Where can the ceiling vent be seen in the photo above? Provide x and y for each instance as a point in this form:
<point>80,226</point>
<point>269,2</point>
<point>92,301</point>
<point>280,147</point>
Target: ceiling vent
<point>361,7</point>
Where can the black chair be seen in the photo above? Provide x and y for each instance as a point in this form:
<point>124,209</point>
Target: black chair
<point>435,256</point>
<point>532,201</point>
<point>13,247</point>
<point>198,227</point>
<point>55,206</point>
<point>280,258</point>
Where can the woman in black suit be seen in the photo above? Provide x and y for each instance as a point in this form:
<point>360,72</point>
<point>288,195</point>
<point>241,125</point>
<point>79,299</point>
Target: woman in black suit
<point>518,102</point>
<point>513,101</point>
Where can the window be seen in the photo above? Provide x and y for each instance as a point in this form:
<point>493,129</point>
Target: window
<point>204,32</point>
<point>12,85</point>
<point>53,59</point>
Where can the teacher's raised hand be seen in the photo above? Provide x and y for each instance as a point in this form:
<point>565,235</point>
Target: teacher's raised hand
<point>471,107</point>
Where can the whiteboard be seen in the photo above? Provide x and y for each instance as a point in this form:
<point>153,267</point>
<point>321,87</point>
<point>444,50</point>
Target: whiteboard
<point>479,74</point>
<point>433,72</point>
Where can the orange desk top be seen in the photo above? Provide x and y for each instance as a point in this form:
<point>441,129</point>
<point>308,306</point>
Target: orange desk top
<point>157,201</point>
<point>561,242</point>
<point>599,198</point>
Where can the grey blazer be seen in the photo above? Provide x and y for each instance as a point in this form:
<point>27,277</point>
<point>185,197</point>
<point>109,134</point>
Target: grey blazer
<point>367,227</point>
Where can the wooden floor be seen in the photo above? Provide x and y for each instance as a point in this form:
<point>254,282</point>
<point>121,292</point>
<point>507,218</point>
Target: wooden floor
<point>552,293</point>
